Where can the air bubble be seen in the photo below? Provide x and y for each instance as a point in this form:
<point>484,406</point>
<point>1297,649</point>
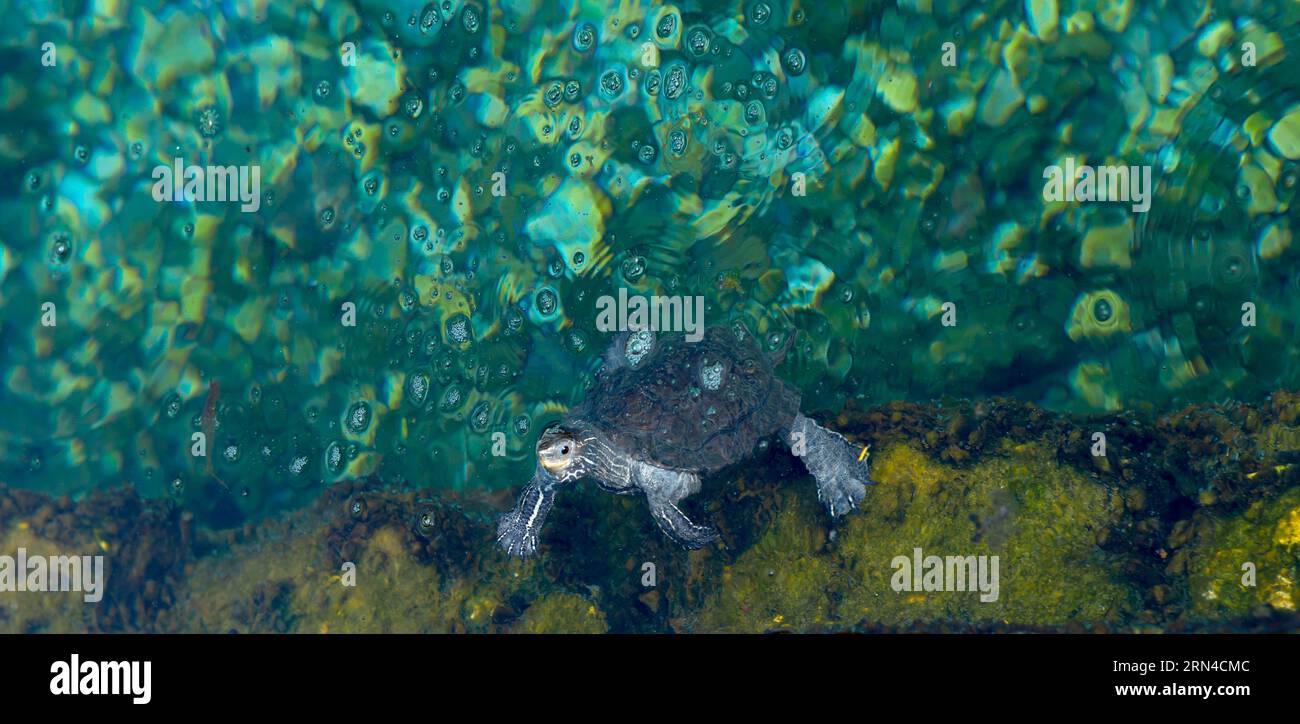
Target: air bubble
<point>674,82</point>
<point>412,105</point>
<point>425,524</point>
<point>639,345</point>
<point>428,18</point>
<point>481,416</point>
<point>711,375</point>
<point>793,61</point>
<point>554,95</point>
<point>584,37</point>
<point>334,457</point>
<point>784,139</point>
<point>358,417</point>
<point>458,330</point>
<point>547,302</point>
<point>452,399</point>
<point>469,19</point>
<point>572,91</point>
<point>172,405</point>
<point>60,249</point>
<point>653,80</point>
<point>576,341</point>
<point>611,84</point>
<point>666,26</point>
<point>1102,310</point>
<point>208,120</point>
<point>514,321</point>
<point>698,41</point>
<point>634,268</point>
<point>677,141</point>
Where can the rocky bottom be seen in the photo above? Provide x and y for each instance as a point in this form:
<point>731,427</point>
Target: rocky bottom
<point>1188,522</point>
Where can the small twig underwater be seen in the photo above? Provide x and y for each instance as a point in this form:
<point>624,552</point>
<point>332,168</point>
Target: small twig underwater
<point>209,424</point>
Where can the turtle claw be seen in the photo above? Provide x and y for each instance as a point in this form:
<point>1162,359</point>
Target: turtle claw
<point>841,476</point>
<point>517,530</point>
<point>515,539</point>
<point>841,495</point>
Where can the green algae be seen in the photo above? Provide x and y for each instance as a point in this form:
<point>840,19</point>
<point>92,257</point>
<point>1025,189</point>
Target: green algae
<point>297,589</point>
<point>1247,562</point>
<point>561,613</point>
<point>1041,519</point>
<point>53,612</point>
<point>783,582</point>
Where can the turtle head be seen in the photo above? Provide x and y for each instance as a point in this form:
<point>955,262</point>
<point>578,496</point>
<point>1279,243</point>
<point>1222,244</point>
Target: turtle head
<point>561,458</point>
<point>562,453</point>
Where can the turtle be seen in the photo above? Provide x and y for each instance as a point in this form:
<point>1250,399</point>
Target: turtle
<point>667,413</point>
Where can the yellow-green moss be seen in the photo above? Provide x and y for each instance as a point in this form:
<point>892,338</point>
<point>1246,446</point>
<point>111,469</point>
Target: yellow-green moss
<point>562,613</point>
<point>393,591</point>
<point>781,582</point>
<point>1266,535</point>
<point>1041,520</point>
<point>44,612</point>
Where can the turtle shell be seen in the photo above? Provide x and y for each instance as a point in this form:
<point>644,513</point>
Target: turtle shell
<point>697,406</point>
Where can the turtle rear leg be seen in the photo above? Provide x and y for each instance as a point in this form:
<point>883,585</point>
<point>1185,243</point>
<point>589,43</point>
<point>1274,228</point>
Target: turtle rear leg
<point>842,479</point>
<point>664,489</point>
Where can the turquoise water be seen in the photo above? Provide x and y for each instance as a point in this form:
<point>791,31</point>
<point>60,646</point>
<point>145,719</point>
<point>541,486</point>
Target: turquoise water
<point>468,179</point>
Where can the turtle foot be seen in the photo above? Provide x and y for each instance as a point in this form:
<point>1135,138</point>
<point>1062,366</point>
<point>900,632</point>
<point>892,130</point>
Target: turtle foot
<point>517,530</point>
<point>674,523</point>
<point>664,489</point>
<point>839,468</point>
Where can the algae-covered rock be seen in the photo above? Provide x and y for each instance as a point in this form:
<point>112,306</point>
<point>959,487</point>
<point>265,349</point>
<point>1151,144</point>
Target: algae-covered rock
<point>299,589</point>
<point>561,613</point>
<point>1040,519</point>
<point>35,611</point>
<point>1248,561</point>
<point>783,582</point>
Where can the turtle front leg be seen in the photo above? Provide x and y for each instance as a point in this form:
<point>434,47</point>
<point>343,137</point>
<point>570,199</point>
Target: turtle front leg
<point>664,489</point>
<point>517,530</point>
<point>842,478</point>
